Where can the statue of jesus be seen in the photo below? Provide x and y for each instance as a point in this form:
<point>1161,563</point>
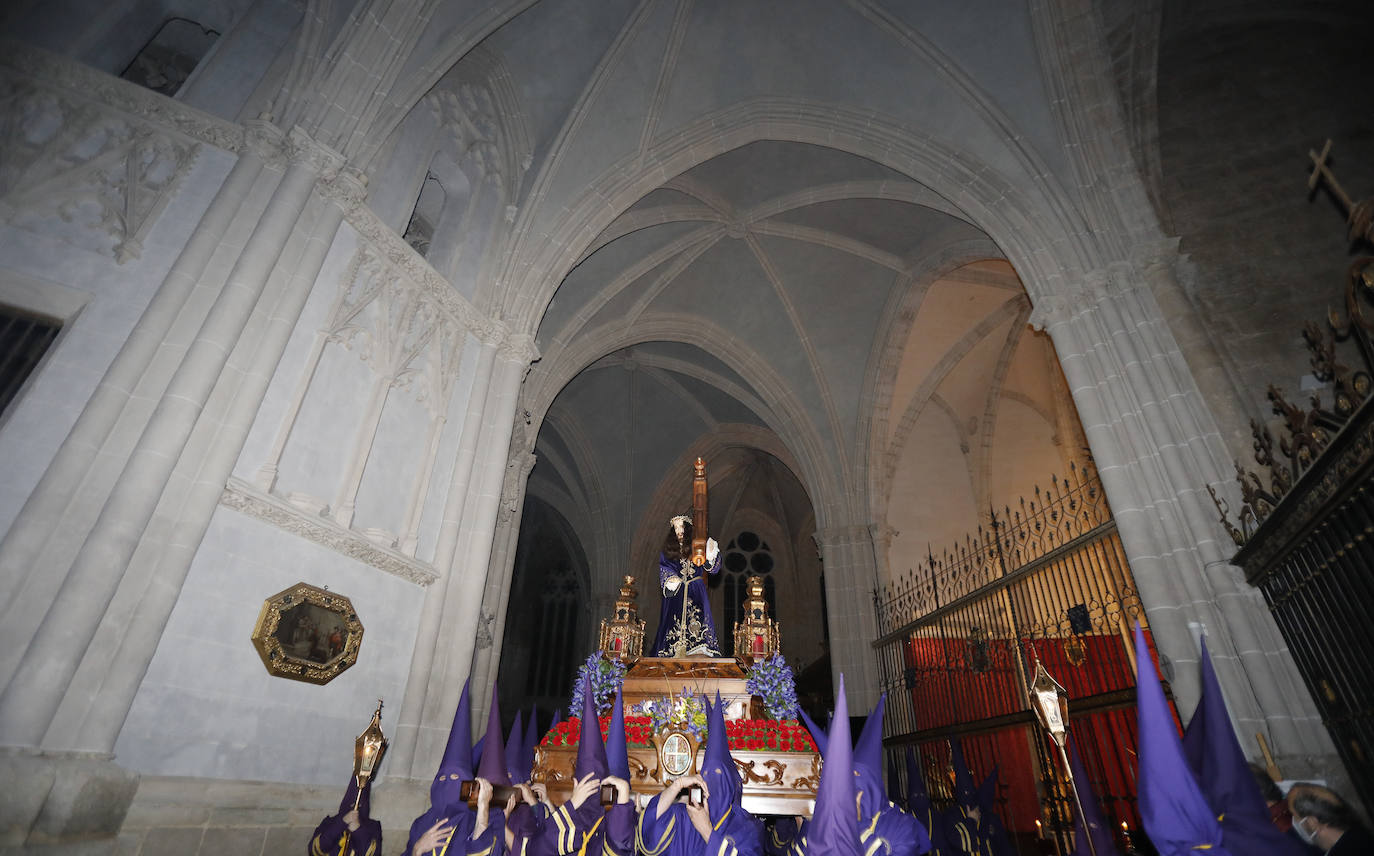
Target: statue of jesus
<point>685,626</point>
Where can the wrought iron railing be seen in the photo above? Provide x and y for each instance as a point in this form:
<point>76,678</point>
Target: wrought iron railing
<point>1046,579</point>
<point>1069,509</point>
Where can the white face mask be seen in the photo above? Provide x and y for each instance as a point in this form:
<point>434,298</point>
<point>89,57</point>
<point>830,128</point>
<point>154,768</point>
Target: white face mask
<point>1303,832</point>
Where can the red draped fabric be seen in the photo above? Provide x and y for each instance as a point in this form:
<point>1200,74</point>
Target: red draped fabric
<point>961,681</point>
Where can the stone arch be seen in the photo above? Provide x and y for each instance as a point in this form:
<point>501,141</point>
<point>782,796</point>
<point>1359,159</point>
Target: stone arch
<point>786,415</point>
<point>1022,222</point>
<point>881,374</point>
<point>648,533</point>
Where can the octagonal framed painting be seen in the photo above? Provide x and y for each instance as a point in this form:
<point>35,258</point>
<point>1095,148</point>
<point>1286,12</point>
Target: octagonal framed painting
<point>307,633</point>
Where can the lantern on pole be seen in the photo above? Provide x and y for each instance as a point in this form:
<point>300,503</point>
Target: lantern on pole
<point>1050,701</point>
<point>368,750</point>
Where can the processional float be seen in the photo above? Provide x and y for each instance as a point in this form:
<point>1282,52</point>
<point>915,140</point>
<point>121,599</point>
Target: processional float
<point>777,760</point>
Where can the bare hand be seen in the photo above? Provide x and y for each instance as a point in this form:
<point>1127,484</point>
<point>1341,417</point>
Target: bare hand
<point>527,794</point>
<point>677,786</point>
<point>622,788</point>
<point>700,815</point>
<point>434,838</point>
<point>541,790</point>
<point>483,809</point>
<point>583,789</point>
<point>351,820</point>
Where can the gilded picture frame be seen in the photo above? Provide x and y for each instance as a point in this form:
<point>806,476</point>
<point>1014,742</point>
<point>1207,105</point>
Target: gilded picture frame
<point>307,633</point>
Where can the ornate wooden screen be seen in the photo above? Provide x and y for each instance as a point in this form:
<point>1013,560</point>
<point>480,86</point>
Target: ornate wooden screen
<point>960,634</point>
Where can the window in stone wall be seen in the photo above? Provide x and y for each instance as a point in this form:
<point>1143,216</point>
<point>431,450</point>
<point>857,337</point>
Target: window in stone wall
<point>170,55</point>
<point>746,555</point>
<point>24,338</point>
<point>554,660</point>
<point>428,207</point>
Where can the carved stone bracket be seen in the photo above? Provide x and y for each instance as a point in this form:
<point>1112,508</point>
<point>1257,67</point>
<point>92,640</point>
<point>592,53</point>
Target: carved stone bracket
<point>245,498</point>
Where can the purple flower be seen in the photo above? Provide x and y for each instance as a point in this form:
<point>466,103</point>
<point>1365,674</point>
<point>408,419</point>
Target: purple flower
<point>606,676</point>
<point>772,681</point>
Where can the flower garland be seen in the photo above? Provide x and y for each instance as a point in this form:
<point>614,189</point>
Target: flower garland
<point>772,680</point>
<point>606,676</point>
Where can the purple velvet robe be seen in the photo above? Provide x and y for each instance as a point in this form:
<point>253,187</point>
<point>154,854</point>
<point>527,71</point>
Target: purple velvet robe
<point>701,628</point>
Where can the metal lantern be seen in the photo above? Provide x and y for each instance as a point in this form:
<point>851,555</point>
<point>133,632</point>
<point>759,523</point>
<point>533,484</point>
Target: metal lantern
<point>1050,701</point>
<point>368,750</point>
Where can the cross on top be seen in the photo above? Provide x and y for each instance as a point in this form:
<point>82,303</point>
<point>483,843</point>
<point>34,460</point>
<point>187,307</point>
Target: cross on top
<point>1321,172</point>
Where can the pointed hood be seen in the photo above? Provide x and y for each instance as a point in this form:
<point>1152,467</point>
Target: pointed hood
<point>834,827</point>
<point>455,767</point>
<point>1172,806</point>
<point>987,793</point>
<point>493,764</point>
<point>617,753</point>
<point>868,760</point>
<point>1102,841</point>
<point>515,750</point>
<point>530,742</point>
<point>964,792</point>
<point>894,782</point>
<point>591,752</point>
<point>917,797</point>
<point>1223,773</point>
<point>818,735</point>
<point>718,768</point>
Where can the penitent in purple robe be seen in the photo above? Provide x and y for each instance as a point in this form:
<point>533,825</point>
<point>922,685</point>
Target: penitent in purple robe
<point>699,629</point>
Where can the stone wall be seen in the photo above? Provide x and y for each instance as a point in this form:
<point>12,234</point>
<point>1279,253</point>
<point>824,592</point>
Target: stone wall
<point>174,816</point>
<point>1239,108</point>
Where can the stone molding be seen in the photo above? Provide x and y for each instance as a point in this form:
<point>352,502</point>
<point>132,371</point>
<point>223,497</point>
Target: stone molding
<point>247,499</point>
<point>75,80</point>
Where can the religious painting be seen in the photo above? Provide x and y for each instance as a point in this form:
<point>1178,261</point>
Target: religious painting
<point>307,633</point>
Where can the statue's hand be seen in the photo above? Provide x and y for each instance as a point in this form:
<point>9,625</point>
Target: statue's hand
<point>712,550</point>
<point>673,584</point>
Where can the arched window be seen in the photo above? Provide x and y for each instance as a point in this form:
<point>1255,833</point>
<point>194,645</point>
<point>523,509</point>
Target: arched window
<point>170,55</point>
<point>554,659</point>
<point>746,555</point>
<point>428,207</point>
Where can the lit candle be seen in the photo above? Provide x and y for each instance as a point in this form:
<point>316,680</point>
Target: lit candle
<point>1124,828</point>
<point>1039,830</point>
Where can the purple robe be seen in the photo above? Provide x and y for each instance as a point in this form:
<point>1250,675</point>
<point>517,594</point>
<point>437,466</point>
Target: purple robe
<point>736,833</point>
<point>700,631</point>
<point>366,840</point>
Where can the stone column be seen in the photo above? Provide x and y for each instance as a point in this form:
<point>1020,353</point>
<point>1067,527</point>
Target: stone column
<point>50,509</point>
<point>850,580</point>
<point>408,723</point>
<point>32,696</point>
<point>462,616</point>
<point>1157,449</point>
<point>96,706</point>
<point>499,576</point>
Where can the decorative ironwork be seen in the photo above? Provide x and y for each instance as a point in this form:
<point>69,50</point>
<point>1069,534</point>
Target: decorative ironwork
<point>1307,538</point>
<point>1046,580</point>
<point>1048,521</point>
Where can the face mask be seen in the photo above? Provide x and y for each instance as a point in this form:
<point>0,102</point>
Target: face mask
<point>1302,831</point>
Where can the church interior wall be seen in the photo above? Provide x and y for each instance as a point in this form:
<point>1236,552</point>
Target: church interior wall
<point>208,706</point>
<point>1262,255</point>
<point>111,298</point>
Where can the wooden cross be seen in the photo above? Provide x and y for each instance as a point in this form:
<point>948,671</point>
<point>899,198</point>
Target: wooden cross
<point>1320,172</point>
